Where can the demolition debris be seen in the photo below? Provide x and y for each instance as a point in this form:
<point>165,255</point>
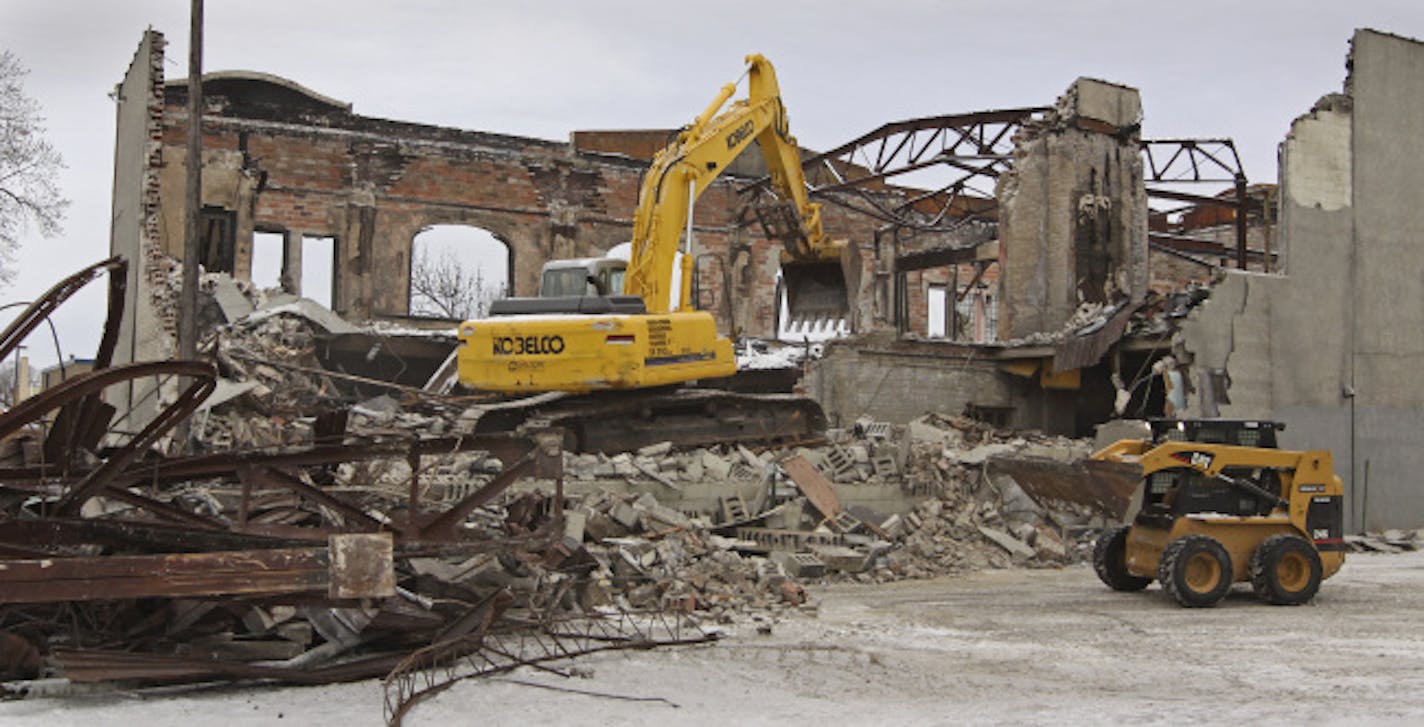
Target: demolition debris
<point>319,525</point>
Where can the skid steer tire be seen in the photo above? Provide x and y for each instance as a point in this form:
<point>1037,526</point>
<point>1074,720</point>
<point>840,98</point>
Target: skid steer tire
<point>1285,570</point>
<point>1110,561</point>
<point>1195,571</point>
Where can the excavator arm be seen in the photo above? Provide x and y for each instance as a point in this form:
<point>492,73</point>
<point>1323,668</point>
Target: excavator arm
<point>681,172</point>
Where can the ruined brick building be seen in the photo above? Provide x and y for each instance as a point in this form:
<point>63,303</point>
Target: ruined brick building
<point>964,299</point>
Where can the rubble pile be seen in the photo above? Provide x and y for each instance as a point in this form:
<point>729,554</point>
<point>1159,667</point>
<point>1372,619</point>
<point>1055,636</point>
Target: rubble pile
<point>309,530</point>
<point>769,531</point>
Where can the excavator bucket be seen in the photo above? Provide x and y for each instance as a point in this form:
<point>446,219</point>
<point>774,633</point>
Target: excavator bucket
<point>822,289</point>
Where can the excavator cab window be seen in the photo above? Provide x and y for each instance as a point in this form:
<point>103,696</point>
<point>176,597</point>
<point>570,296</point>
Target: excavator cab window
<point>566,282</point>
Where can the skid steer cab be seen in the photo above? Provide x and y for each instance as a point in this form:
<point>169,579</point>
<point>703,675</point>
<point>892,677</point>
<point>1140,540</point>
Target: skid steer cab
<point>1220,504</point>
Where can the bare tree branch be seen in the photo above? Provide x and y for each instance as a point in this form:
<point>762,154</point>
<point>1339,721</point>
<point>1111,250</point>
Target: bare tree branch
<point>29,167</point>
<point>443,286</point>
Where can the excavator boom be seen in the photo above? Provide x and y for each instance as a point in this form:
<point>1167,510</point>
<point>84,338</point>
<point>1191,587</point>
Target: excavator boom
<point>820,276</point>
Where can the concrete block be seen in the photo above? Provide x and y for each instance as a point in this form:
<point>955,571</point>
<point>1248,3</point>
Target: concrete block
<point>600,526</point>
<point>655,450</point>
<point>1112,431</point>
<point>885,465</point>
<point>749,457</point>
<point>840,461</point>
<point>229,297</point>
<point>716,467</point>
<point>983,452</point>
<point>574,523</point>
<point>840,559</point>
<point>920,430</point>
<point>744,473</point>
<point>625,515</point>
<point>894,526</point>
<point>787,515</point>
<point>799,565</point>
<point>693,470</point>
<point>1110,103</point>
<point>734,509</point>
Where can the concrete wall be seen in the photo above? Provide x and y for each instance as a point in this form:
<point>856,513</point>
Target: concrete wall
<point>1387,85</point>
<point>1330,347</point>
<point>898,381</point>
<point>147,331</point>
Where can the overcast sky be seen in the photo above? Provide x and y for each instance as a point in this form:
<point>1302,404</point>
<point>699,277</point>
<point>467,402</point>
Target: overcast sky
<point>1242,69</point>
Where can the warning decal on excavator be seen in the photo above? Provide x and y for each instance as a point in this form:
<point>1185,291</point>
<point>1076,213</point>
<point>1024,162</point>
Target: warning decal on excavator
<point>658,331</point>
<point>527,345</point>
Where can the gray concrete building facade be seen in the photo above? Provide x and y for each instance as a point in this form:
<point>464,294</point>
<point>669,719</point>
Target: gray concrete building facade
<point>1330,346</point>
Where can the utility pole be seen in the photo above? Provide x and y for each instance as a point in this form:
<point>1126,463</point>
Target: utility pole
<point>193,199</point>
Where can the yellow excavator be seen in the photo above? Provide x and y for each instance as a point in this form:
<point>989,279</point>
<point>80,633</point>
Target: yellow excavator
<point>636,343</point>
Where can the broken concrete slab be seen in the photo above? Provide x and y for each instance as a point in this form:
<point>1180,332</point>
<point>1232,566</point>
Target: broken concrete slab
<point>304,308</point>
<point>575,522</point>
<point>840,558</point>
<point>1013,545</point>
<point>981,454</point>
<point>716,467</point>
<point>655,450</point>
<point>226,293</point>
<point>225,391</point>
<point>1111,431</point>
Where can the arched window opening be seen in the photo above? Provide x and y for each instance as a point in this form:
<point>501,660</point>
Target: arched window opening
<point>455,271</point>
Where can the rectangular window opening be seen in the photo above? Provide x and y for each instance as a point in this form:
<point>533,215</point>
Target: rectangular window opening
<point>318,264</point>
<point>267,256</point>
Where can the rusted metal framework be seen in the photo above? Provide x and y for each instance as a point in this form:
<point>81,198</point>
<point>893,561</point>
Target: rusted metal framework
<point>476,647</point>
<point>1171,163</point>
<point>936,160</point>
<point>928,180</point>
<point>65,569</point>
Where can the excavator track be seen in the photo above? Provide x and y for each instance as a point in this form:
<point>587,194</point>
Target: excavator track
<point>622,421</point>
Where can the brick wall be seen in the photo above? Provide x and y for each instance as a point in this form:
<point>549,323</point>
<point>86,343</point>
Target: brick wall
<point>310,167</point>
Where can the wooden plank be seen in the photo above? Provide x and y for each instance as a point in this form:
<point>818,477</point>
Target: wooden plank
<point>814,485</point>
<point>247,572</point>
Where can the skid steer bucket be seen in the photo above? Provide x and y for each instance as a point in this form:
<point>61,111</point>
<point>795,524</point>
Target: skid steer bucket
<point>824,288</point>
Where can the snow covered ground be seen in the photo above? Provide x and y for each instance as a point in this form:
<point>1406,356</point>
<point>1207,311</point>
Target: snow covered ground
<point>1023,646</point>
